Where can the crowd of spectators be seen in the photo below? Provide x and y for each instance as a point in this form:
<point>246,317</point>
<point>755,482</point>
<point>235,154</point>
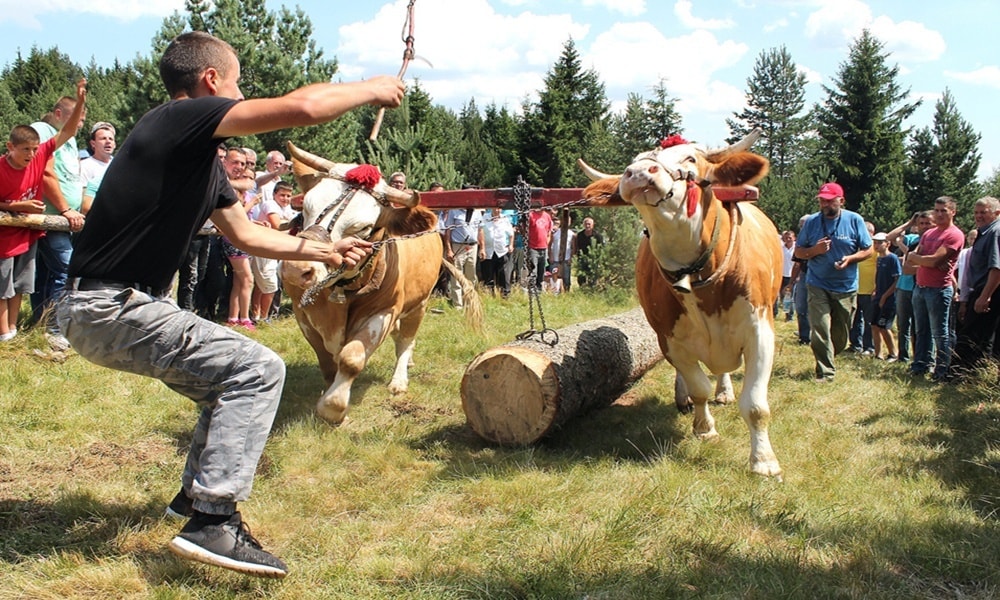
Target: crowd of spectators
<point>504,250</point>
<point>923,292</point>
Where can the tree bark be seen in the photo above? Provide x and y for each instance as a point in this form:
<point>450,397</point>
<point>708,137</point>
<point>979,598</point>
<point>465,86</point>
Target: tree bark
<point>34,221</point>
<point>517,393</point>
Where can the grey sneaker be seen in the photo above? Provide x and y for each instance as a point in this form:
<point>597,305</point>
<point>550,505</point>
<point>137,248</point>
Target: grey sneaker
<point>228,545</point>
<point>57,342</point>
<point>181,507</point>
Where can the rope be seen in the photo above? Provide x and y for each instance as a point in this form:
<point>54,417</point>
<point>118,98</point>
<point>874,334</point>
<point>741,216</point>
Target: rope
<point>408,26</point>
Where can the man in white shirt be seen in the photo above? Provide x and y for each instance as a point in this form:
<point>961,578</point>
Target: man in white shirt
<point>275,166</point>
<point>102,146</point>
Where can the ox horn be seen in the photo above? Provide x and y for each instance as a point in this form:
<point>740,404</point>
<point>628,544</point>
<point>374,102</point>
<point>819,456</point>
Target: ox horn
<point>741,146</point>
<point>309,159</point>
<point>591,172</point>
<point>407,198</point>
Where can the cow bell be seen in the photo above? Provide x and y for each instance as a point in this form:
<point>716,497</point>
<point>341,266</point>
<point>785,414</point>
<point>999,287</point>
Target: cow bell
<point>683,284</point>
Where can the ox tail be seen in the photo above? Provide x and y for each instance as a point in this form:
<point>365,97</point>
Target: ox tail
<point>470,298</point>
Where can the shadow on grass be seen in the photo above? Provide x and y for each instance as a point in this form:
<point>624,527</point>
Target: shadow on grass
<point>33,532</point>
<point>303,387</point>
<point>644,430</point>
<point>76,522</point>
<point>896,561</point>
<point>967,458</point>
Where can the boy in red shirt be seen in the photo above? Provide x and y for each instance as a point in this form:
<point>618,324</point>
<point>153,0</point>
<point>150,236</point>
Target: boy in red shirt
<point>21,170</point>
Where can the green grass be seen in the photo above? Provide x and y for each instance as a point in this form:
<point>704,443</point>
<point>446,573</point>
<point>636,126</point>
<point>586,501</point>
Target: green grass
<point>890,486</point>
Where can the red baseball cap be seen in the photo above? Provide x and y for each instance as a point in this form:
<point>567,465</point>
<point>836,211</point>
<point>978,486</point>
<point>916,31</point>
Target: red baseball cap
<point>829,191</point>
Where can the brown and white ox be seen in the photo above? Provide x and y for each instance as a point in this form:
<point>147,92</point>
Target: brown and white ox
<point>707,275</point>
<point>354,311</point>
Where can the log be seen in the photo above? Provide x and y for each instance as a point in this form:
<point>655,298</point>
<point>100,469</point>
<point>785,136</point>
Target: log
<point>34,221</point>
<point>517,393</point>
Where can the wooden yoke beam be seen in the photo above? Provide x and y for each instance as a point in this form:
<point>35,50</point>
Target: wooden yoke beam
<point>504,198</point>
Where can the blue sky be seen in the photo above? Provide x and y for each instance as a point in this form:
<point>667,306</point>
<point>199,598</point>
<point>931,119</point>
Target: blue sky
<point>498,51</point>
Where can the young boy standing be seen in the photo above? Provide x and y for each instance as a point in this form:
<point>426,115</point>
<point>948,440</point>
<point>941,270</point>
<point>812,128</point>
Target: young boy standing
<point>887,271</point>
<point>21,171</point>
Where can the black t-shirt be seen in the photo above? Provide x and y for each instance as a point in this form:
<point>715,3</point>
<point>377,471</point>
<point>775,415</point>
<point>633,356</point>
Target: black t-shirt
<point>162,185</point>
<point>584,241</point>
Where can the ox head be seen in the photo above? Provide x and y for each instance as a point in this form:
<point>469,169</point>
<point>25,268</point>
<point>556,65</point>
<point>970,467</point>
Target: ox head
<point>334,208</point>
<point>671,186</point>
<point>667,181</point>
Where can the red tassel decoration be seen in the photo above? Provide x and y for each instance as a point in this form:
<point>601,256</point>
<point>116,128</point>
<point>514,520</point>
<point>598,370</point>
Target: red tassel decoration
<point>693,195</point>
<point>672,140</point>
<point>366,176</point>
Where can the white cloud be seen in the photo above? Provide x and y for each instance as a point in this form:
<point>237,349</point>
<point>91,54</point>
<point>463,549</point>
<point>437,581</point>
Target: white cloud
<point>908,40</point>
<point>494,57</point>
<point>683,11</point>
<point>781,23</point>
<point>812,76</point>
<point>838,22</point>
<point>988,76</point>
<point>630,8</point>
<point>30,14</point>
<point>622,58</point>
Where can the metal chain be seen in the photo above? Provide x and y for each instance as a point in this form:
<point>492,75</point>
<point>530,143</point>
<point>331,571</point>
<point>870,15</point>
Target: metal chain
<point>522,204</point>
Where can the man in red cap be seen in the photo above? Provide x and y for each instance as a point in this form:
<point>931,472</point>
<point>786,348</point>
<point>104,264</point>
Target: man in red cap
<point>833,240</point>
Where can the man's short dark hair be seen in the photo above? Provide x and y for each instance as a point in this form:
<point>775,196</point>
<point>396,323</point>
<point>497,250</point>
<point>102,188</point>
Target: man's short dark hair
<point>23,134</point>
<point>947,201</point>
<point>187,57</point>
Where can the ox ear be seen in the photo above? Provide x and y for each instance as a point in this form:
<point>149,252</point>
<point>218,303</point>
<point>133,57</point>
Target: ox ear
<point>407,221</point>
<point>305,177</point>
<point>743,168</point>
<point>603,191</point>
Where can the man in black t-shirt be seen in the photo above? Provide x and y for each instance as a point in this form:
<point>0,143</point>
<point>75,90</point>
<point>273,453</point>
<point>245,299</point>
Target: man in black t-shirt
<point>583,241</point>
<point>163,185</point>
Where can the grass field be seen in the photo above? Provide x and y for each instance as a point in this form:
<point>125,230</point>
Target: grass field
<point>890,487</point>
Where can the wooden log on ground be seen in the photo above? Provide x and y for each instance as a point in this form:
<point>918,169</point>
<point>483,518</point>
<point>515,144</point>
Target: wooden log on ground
<point>34,221</point>
<point>517,393</point>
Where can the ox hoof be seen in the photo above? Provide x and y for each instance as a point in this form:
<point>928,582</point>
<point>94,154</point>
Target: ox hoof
<point>685,407</point>
<point>767,468</point>
<point>707,436</point>
<point>331,414</point>
<point>396,388</point>
<point>724,398</point>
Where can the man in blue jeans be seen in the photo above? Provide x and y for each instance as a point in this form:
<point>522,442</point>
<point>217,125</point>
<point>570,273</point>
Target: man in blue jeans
<point>906,237</point>
<point>833,240</point>
<point>935,259</point>
<point>800,294</point>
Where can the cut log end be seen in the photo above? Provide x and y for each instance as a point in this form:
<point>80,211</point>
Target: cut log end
<point>525,388</point>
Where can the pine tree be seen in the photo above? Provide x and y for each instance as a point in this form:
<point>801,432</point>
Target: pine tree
<point>554,130</point>
<point>775,101</point>
<point>944,160</point>
<point>474,158</point>
<point>35,83</point>
<point>662,118</point>
<point>861,126</point>
<point>500,132</point>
